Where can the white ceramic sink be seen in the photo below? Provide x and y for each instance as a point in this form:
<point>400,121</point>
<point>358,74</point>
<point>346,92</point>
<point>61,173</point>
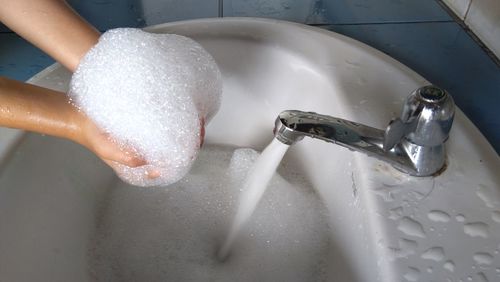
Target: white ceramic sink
<point>382,225</point>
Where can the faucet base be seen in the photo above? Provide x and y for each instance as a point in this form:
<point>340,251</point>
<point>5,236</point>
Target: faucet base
<point>426,160</point>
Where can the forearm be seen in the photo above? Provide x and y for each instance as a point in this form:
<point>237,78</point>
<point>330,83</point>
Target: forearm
<point>38,109</point>
<point>52,26</point>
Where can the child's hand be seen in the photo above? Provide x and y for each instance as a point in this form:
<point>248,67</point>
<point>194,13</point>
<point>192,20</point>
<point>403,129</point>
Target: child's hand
<point>109,151</point>
<point>105,147</point>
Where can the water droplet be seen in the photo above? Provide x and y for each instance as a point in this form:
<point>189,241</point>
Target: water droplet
<point>460,218</point>
<point>352,63</point>
<point>438,216</point>
<point>477,229</point>
<point>406,248</point>
<point>495,215</point>
<point>412,274</point>
<point>449,265</point>
<point>434,253</point>
<point>385,192</point>
<point>483,258</point>
<point>396,213</point>
<point>489,195</point>
<point>411,227</point>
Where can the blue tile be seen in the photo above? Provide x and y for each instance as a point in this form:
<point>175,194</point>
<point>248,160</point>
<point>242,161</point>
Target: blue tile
<point>383,11</point>
<point>157,12</point>
<point>4,28</point>
<point>302,11</point>
<point>19,59</point>
<point>447,56</point>
<point>106,14</point>
<point>338,11</point>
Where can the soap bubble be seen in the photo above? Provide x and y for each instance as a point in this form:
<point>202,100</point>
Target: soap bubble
<point>149,92</point>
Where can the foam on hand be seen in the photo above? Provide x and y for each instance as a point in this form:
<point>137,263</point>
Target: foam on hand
<point>149,92</point>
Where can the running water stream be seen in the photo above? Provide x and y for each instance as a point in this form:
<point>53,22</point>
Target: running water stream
<point>253,189</point>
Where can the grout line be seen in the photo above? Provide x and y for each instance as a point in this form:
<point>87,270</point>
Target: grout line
<point>221,8</point>
<point>467,11</point>
<point>469,32</point>
<point>386,23</point>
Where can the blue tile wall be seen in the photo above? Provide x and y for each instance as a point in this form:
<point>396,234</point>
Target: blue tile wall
<point>338,11</point>
<point>303,11</point>
<point>156,12</point>
<point>107,14</point>
<point>19,59</point>
<point>383,11</point>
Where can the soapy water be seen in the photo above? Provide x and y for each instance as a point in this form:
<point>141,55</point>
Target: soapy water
<point>253,190</point>
<point>174,233</point>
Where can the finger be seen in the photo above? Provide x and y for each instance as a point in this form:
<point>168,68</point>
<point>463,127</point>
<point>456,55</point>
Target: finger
<point>150,174</point>
<point>126,159</point>
<point>132,160</point>
<point>110,163</point>
<point>153,173</point>
<point>125,156</point>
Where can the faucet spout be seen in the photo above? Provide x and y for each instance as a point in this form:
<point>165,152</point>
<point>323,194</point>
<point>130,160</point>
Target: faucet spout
<point>414,145</point>
<point>292,126</point>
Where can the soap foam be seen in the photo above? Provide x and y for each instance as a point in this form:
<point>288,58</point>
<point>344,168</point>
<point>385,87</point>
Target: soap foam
<point>150,92</point>
<point>174,234</point>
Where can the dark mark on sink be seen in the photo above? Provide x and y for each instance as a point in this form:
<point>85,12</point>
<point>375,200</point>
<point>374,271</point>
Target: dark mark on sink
<point>354,188</point>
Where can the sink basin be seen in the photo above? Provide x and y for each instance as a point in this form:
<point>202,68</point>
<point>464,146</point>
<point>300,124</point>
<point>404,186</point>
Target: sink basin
<point>64,214</point>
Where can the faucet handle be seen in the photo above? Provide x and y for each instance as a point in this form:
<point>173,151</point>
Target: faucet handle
<point>394,132</point>
<point>425,121</point>
<point>430,111</point>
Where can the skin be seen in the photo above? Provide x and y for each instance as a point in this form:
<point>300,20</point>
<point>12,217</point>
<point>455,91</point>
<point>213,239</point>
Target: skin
<point>46,111</point>
<point>54,27</point>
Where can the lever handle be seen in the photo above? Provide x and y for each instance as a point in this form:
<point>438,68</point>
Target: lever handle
<point>394,132</point>
<point>425,121</point>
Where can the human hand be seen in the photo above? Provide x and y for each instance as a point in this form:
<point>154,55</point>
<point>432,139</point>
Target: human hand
<point>46,111</point>
<point>105,147</point>
<point>113,154</point>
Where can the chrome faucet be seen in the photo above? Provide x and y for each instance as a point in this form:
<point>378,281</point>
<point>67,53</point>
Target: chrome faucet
<point>413,143</point>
